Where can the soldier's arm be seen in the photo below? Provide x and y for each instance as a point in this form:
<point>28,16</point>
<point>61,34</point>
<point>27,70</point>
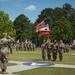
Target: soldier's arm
<point>10,39</point>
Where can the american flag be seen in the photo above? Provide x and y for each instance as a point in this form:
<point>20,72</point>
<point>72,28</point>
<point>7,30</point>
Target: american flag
<point>41,25</point>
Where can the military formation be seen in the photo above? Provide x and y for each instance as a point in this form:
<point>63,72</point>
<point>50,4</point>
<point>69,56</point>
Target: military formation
<point>49,49</point>
<point>52,49</point>
<point>22,46</point>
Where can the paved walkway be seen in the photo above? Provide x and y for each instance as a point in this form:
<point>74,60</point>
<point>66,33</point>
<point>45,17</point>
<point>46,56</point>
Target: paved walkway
<point>21,67</point>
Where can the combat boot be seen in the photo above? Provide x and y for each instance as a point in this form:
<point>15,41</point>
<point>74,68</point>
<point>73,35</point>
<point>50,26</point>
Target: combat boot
<point>4,72</point>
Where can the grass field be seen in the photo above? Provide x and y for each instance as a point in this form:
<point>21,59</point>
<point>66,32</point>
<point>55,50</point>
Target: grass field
<point>10,64</point>
<point>48,71</point>
<point>35,56</point>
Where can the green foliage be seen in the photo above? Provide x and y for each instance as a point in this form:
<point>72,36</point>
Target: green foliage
<point>23,27</point>
<point>62,29</point>
<point>46,13</point>
<point>58,27</point>
<point>57,13</point>
<point>68,10</point>
<point>6,24</point>
<point>72,20</point>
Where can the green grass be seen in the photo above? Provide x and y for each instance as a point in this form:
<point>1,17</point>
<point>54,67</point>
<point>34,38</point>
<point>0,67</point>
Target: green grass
<point>11,64</point>
<point>35,56</point>
<point>48,71</point>
<point>25,55</point>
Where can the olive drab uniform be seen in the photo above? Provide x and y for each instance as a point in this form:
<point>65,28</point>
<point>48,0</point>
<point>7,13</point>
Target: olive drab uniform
<point>54,51</point>
<point>11,47</point>
<point>31,47</point>
<point>34,47</point>
<point>43,47</point>
<point>24,45</point>
<point>60,50</point>
<point>17,46</point>
<point>49,49</point>
<point>21,46</point>
<point>67,48</point>
<point>28,46</point>
<point>4,52</point>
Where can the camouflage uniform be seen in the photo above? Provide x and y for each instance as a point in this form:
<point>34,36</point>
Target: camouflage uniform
<point>34,47</point>
<point>24,45</point>
<point>31,46</point>
<point>54,51</point>
<point>28,46</point>
<point>21,46</point>
<point>11,47</point>
<point>43,47</point>
<point>17,46</point>
<point>60,50</point>
<point>67,48</point>
<point>4,52</point>
<point>49,49</point>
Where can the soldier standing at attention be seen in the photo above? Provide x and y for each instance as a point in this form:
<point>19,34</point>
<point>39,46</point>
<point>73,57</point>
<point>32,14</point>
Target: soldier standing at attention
<point>17,45</point>
<point>54,50</point>
<point>61,49</point>
<point>24,45</point>
<point>10,45</point>
<point>4,52</point>
<point>43,47</point>
<point>49,49</point>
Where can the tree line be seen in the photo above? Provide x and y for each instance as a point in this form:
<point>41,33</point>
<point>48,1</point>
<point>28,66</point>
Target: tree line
<point>61,23</point>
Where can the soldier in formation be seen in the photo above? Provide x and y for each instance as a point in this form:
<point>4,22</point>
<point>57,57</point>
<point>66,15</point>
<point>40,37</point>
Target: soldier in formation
<point>17,45</point>
<point>52,49</point>
<point>22,46</point>
<point>61,49</point>
<point>49,48</point>
<point>10,46</point>
<point>67,48</point>
<point>43,47</point>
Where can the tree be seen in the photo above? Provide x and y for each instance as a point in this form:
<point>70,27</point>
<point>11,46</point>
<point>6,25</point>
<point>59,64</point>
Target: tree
<point>6,24</point>
<point>22,26</point>
<point>62,29</point>
<point>46,13</point>
<point>57,13</point>
<point>68,10</point>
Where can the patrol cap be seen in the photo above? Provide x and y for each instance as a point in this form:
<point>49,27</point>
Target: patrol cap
<point>4,34</point>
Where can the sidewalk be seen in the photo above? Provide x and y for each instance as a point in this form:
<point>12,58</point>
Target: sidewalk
<point>18,67</point>
<point>21,67</point>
